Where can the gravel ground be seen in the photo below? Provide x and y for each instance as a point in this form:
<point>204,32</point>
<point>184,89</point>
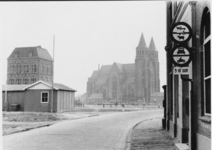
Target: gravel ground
<point>22,121</point>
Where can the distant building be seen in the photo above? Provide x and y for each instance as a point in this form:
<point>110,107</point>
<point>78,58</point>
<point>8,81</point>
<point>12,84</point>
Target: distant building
<point>128,83</point>
<point>27,65</point>
<point>37,97</point>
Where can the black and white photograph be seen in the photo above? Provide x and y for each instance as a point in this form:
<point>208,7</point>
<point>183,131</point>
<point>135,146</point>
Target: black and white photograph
<point>105,75</point>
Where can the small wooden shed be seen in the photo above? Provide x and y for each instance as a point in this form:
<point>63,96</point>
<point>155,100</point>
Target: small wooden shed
<point>37,97</point>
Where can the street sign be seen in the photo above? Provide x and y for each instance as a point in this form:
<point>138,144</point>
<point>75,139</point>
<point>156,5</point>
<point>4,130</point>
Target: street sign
<point>181,55</point>
<point>180,32</point>
<point>179,70</point>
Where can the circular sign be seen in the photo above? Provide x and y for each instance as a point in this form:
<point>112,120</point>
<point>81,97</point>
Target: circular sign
<point>180,32</point>
<point>181,55</point>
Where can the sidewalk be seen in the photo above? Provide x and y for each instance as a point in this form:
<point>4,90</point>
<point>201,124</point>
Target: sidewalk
<point>149,135</point>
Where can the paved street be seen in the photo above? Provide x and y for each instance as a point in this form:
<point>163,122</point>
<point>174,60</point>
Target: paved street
<point>104,132</point>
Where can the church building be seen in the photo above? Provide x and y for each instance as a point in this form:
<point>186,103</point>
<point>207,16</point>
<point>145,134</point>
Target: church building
<point>127,83</point>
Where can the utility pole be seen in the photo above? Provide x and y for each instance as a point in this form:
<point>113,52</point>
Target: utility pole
<point>52,99</point>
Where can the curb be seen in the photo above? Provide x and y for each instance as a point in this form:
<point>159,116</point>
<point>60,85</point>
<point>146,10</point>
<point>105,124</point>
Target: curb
<point>128,139</point>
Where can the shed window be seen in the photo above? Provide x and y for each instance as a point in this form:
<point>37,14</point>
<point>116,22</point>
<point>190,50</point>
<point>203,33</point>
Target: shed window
<point>44,97</point>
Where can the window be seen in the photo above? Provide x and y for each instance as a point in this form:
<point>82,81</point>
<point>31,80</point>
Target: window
<point>34,68</point>
<point>44,97</point>
<point>25,80</point>
<point>26,68</point>
<point>41,68</point>
<point>12,81</point>
<point>18,81</point>
<point>19,68</point>
<point>207,62</point>
<point>33,79</point>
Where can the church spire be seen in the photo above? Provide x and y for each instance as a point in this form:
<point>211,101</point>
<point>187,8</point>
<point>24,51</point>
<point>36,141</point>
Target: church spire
<point>142,42</point>
<point>152,45</point>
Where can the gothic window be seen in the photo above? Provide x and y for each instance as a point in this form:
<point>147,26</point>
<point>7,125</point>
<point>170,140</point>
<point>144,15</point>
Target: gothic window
<point>207,61</point>
<point>114,87</point>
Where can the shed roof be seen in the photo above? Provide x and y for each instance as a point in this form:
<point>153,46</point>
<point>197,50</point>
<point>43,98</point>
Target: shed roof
<point>57,86</point>
<point>13,87</point>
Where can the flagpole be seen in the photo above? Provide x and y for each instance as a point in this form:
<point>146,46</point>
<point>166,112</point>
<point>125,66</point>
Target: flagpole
<point>52,77</point>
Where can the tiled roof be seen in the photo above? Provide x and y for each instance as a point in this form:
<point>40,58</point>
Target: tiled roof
<point>119,66</point>
<point>37,52</point>
<point>129,67</point>
<point>94,74</point>
<point>106,68</point>
<point>95,96</point>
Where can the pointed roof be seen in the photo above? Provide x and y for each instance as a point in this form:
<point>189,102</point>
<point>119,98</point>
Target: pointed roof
<point>142,43</point>
<point>152,45</point>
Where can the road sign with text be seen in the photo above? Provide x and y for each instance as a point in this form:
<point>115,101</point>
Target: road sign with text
<point>181,70</point>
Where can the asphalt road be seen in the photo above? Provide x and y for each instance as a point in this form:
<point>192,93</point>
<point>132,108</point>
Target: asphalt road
<point>104,132</point>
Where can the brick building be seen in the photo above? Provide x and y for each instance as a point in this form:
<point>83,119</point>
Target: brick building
<point>27,65</point>
<point>128,83</point>
<point>187,114</point>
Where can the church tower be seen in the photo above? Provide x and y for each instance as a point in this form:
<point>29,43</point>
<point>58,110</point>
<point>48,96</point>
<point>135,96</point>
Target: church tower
<point>146,70</point>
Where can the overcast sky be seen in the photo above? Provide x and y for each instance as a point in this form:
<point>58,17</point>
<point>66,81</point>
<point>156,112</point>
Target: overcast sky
<point>86,34</point>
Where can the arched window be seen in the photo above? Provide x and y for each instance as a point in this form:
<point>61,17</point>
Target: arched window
<point>114,87</point>
<point>206,39</point>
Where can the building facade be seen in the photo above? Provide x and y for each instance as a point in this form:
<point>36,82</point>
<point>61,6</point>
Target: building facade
<point>188,97</point>
<point>128,83</point>
<point>27,65</point>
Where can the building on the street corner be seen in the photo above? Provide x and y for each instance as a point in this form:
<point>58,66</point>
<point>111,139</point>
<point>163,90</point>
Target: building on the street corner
<point>188,97</point>
<point>128,83</point>
<point>37,97</point>
<point>27,65</point>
